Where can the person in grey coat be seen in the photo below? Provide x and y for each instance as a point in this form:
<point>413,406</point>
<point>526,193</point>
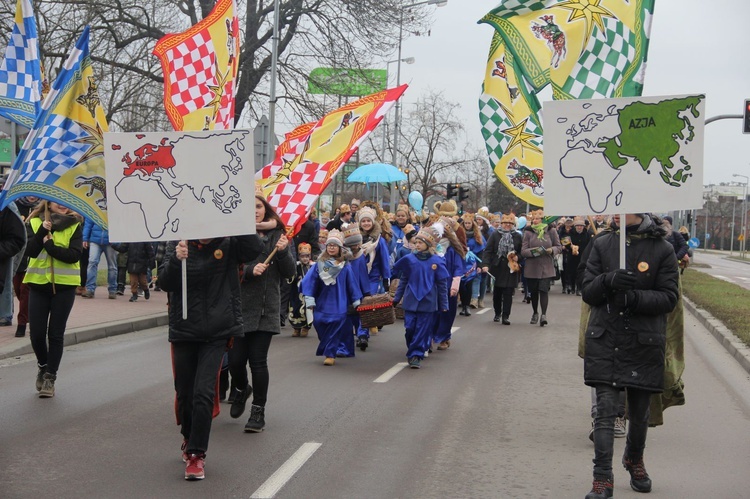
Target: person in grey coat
<point>260,314</point>
<point>541,244</point>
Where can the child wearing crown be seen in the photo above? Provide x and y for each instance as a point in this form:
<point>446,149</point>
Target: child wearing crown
<point>424,290</point>
<point>298,314</point>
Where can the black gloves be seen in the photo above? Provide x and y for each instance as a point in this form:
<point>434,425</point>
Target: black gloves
<point>620,280</point>
<point>625,299</point>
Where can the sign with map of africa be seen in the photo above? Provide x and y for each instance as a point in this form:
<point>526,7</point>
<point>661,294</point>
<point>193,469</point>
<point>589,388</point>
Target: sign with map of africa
<point>179,185</point>
<point>629,155</point>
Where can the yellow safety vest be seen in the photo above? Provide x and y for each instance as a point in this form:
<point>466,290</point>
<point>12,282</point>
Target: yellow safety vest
<point>39,270</point>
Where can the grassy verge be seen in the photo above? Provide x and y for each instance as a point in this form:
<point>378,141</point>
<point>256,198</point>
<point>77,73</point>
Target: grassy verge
<point>724,300</point>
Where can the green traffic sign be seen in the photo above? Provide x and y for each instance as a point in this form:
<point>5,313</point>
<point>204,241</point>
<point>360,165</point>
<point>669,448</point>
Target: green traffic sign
<point>347,82</point>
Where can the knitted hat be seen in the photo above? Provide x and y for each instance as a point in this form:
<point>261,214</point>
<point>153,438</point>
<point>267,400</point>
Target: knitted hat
<point>508,218</point>
<point>579,221</point>
<point>365,212</point>
<point>335,237</point>
<point>447,208</point>
<point>352,235</point>
<point>355,202</point>
<point>304,249</point>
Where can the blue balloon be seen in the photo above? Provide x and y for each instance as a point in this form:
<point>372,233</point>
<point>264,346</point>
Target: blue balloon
<point>521,223</point>
<point>416,201</point>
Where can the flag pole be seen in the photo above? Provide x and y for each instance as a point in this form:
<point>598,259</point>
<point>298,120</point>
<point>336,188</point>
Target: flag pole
<point>51,260</point>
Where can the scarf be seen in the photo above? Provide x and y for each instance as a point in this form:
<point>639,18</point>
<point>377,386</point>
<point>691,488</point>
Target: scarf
<point>330,270</point>
<point>505,245</point>
<point>540,228</point>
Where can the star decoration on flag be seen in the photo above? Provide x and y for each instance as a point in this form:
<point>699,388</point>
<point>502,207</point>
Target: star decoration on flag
<point>218,90</point>
<point>95,139</point>
<point>588,10</point>
<point>520,137</point>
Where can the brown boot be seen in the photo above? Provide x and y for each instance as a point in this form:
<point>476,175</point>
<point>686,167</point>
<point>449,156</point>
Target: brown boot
<point>296,333</point>
<point>304,331</point>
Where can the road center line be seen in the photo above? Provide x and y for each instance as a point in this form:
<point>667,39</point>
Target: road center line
<point>386,376</point>
<point>483,311</point>
<point>287,470</point>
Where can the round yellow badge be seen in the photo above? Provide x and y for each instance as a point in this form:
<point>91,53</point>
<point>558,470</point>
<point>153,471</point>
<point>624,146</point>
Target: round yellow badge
<point>434,266</point>
<point>642,266</point>
<point>218,254</point>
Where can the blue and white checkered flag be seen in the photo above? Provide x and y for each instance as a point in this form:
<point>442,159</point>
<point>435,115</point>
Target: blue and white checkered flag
<point>21,77</point>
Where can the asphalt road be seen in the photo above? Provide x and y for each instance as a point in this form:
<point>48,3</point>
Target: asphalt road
<point>720,266</point>
<point>502,414</point>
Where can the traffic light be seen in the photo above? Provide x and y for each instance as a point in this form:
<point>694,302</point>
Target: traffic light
<point>746,117</point>
<point>451,190</point>
<point>463,193</point>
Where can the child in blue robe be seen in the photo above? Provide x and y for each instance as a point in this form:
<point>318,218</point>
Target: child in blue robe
<point>355,257</point>
<point>454,254</point>
<point>377,258</point>
<point>424,290</point>
<point>330,289</point>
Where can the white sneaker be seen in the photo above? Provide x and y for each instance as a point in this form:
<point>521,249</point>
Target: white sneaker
<point>620,430</point>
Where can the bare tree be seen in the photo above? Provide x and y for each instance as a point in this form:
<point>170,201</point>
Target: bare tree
<point>332,33</point>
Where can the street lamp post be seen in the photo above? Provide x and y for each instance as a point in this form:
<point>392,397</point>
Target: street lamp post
<point>438,3</point>
<point>744,213</point>
<point>407,60</point>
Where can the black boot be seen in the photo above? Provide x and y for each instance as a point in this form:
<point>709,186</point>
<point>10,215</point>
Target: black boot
<point>20,330</point>
<point>466,311</point>
<point>240,399</point>
<point>134,297</point>
<point>639,479</point>
<point>602,488</point>
<point>223,384</point>
<point>257,419</point>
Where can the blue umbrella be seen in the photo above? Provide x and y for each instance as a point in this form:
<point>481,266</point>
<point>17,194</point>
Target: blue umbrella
<point>376,173</point>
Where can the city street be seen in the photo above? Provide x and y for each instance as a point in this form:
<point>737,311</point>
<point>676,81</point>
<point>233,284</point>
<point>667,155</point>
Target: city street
<point>502,414</point>
<point>733,271</point>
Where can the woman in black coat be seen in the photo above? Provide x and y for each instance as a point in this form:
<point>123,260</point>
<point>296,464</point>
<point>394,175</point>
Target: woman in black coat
<point>625,339</point>
<point>503,248</point>
<point>260,313</point>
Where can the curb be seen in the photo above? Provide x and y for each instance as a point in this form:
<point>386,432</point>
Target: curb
<point>98,332</point>
<point>733,345</point>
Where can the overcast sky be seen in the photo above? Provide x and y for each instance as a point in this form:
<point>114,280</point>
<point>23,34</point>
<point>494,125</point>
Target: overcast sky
<point>696,47</point>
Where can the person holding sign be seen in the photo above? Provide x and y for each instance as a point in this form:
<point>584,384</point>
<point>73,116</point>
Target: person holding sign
<point>625,339</point>
<point>213,319</point>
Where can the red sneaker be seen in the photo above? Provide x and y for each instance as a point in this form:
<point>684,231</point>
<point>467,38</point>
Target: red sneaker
<point>194,469</point>
<point>184,452</point>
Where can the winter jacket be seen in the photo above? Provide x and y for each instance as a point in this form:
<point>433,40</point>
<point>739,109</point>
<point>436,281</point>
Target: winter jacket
<point>261,297</point>
<point>539,267</point>
<point>140,256</point>
<point>92,233</point>
<point>307,234</point>
<point>625,344</point>
<point>498,266</point>
<point>12,241</point>
<point>214,304</point>
<point>678,243</point>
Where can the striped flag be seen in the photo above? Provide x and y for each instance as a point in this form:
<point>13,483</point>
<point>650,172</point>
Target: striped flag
<point>294,187</point>
<point>21,77</point>
<point>62,159</point>
<point>200,71</point>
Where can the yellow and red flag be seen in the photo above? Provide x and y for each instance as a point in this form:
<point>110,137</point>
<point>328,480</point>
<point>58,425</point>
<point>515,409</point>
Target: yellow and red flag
<point>293,186</point>
<point>200,71</point>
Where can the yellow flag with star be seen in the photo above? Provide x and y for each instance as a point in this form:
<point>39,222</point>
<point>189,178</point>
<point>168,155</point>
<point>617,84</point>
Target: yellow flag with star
<point>584,48</point>
<point>511,126</point>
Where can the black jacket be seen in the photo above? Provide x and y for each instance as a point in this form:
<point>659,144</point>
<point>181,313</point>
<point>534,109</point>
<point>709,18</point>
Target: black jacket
<point>498,266</point>
<point>12,241</point>
<point>678,243</point>
<point>625,345</point>
<point>307,234</point>
<point>140,256</point>
<point>214,308</point>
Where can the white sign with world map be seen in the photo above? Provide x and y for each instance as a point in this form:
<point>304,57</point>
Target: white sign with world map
<point>165,186</point>
<point>628,155</point>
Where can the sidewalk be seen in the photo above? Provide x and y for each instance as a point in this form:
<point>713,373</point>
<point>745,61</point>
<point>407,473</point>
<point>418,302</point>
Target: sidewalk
<point>95,318</point>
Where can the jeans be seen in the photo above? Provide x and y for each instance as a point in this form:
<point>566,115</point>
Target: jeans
<point>196,366</point>
<point>251,349</point>
<point>95,255</point>
<point>6,297</point>
<point>607,402</point>
<point>48,317</point>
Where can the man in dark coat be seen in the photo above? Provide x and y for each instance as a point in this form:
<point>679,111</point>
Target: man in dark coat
<point>344,216</point>
<point>625,339</point>
<point>12,241</point>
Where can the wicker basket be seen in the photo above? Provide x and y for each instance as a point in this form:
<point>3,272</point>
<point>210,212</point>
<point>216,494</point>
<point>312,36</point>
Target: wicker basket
<point>376,311</point>
<point>399,310</point>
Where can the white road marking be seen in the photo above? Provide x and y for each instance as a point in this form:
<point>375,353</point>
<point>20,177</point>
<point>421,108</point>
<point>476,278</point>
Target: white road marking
<point>483,311</point>
<point>723,278</point>
<point>287,470</point>
<point>386,376</point>
<point>455,328</point>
